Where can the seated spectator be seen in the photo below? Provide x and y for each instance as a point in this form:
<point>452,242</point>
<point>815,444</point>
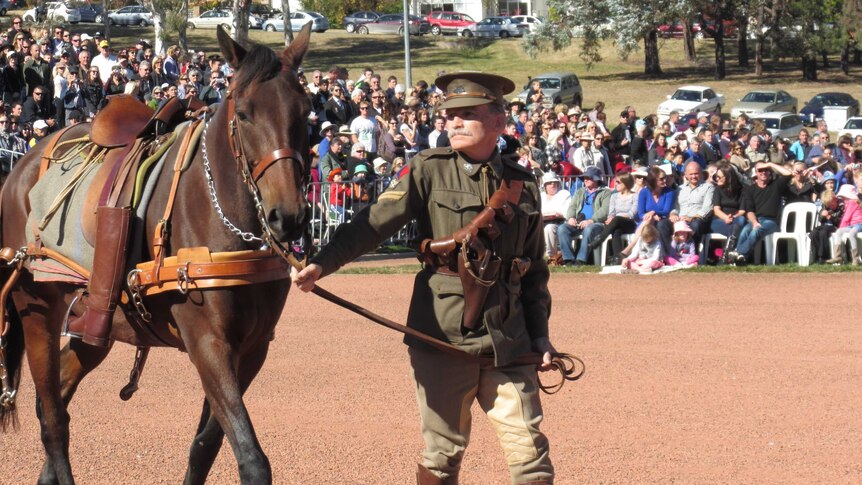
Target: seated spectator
<point>802,188</point>
<point>647,254</point>
<point>331,159</point>
<point>658,150</point>
<point>622,212</point>
<point>339,192</point>
<point>740,161</point>
<point>555,202</point>
<point>40,130</point>
<point>692,154</point>
<point>801,147</point>
<point>683,249</point>
<point>657,199</point>
<point>358,156</point>
<point>638,151</point>
<point>38,106</point>
<point>585,216</point>
<point>693,206</point>
<point>728,215</point>
<point>831,212</point>
<point>844,152</point>
<point>762,203</point>
<point>851,223</point>
<point>754,153</point>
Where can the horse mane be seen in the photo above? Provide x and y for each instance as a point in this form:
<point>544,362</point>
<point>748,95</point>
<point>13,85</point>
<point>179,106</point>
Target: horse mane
<point>260,64</point>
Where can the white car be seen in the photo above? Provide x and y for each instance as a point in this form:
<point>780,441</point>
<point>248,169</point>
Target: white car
<point>690,99</point>
<point>213,18</point>
<point>853,127</point>
<point>781,124</point>
<point>532,23</point>
<point>57,11</point>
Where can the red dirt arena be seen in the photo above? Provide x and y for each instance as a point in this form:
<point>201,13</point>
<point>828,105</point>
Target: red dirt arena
<point>691,378</point>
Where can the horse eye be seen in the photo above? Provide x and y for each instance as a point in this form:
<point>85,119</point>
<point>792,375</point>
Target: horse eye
<point>242,116</point>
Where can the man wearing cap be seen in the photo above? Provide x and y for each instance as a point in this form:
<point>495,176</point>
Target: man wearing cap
<point>105,61</point>
<point>585,216</point>
<point>762,203</point>
<point>622,135</point>
<point>445,189</point>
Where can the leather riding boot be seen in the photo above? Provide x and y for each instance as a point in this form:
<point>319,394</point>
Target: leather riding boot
<point>854,257</point>
<point>424,476</point>
<point>109,263</point>
<point>838,251</point>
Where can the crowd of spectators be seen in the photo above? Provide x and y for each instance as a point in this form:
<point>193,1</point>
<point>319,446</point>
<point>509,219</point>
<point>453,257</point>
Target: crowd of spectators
<point>52,78</point>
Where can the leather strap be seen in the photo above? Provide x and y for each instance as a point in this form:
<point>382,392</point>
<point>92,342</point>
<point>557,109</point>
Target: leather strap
<point>270,159</point>
<point>49,150</point>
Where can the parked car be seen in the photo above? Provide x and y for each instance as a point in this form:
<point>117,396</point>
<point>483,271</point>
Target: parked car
<point>532,23</point>
<point>676,30</point>
<point>761,101</point>
<point>501,27</point>
<point>213,18</point>
<point>558,87</point>
<point>813,109</point>
<point>263,10</point>
<point>131,15</point>
<point>393,23</point>
<point>351,21</point>
<point>56,11</point>
<point>853,127</point>
<point>781,124</point>
<point>449,22</point>
<point>319,23</point>
<point>91,12</point>
<point>690,99</point>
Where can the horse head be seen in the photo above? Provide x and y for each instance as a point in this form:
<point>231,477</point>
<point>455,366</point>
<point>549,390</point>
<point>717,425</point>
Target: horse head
<point>268,133</point>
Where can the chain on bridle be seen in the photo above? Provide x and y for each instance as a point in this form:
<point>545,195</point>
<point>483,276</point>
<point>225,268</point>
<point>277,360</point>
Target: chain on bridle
<point>251,173</point>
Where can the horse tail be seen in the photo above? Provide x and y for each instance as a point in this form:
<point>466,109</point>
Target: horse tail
<point>11,356</point>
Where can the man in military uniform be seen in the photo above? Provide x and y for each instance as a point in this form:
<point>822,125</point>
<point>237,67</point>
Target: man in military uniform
<point>444,191</point>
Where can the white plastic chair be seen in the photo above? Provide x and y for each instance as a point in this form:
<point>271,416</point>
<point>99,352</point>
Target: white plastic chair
<point>627,239</point>
<point>804,216</point>
<point>705,242</point>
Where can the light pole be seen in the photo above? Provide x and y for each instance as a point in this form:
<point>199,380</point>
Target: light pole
<point>408,81</point>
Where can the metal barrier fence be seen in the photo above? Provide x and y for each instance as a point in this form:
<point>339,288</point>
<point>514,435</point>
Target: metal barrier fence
<point>12,155</point>
<point>334,203</point>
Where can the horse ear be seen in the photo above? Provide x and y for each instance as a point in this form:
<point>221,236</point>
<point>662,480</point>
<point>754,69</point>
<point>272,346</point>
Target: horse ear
<point>230,49</point>
<point>293,54</point>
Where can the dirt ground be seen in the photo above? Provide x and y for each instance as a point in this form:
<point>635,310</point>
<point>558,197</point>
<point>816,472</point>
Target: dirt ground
<point>691,378</point>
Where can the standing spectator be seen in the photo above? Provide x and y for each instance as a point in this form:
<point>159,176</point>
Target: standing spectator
<point>38,106</point>
<point>145,81</point>
<point>215,91</point>
<point>37,72</point>
<point>171,67</point>
<point>105,61</point>
<point>622,136</point>
<point>12,85</point>
<point>585,216</point>
<point>84,60</point>
<point>116,83</point>
<point>94,92</point>
<point>366,130</point>
<point>639,151</point>
<point>762,203</point>
<point>439,137</point>
<point>331,159</point>
<point>11,147</point>
<point>336,110</point>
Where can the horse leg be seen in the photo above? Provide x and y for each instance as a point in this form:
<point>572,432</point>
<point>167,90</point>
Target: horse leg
<point>224,413</point>
<point>76,361</point>
<point>42,342</point>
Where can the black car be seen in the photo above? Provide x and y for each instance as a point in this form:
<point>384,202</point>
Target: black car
<point>813,109</point>
<point>91,12</point>
<point>355,19</point>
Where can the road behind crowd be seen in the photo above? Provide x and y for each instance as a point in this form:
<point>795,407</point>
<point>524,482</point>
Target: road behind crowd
<point>691,378</point>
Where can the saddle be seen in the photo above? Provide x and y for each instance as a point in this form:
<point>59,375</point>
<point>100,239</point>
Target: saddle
<point>124,119</point>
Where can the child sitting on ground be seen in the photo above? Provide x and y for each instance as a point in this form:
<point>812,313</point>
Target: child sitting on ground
<point>851,224</point>
<point>647,254</point>
<point>682,250</point>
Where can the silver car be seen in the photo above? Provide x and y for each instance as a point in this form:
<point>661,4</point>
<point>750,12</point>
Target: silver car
<point>131,15</point>
<point>298,19</point>
<point>213,18</point>
<point>762,101</point>
<point>781,124</point>
<point>394,24</point>
<point>502,27</point>
<point>557,87</point>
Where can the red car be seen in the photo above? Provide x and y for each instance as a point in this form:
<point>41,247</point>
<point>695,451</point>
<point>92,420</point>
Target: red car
<point>450,22</point>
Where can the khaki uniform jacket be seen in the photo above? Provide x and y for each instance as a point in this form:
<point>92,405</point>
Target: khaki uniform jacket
<point>443,192</point>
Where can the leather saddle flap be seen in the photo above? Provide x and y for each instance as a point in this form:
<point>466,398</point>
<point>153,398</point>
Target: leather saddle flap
<point>121,121</point>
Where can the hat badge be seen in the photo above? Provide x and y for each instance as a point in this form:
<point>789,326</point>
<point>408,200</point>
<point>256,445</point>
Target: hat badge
<point>459,90</point>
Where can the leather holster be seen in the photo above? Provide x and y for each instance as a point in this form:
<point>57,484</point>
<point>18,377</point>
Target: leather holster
<point>478,268</point>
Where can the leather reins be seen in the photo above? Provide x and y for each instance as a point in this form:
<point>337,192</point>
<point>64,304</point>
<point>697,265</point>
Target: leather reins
<point>570,367</point>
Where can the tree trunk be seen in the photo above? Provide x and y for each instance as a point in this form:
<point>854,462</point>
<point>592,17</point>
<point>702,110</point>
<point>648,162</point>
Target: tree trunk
<point>857,56</point>
<point>742,54</point>
<point>240,20</point>
<point>825,56</point>
<point>720,64</point>
<point>809,66</point>
<point>688,41</point>
<point>288,31</point>
<point>652,66</point>
<point>758,42</point>
<point>183,40</point>
<point>845,59</point>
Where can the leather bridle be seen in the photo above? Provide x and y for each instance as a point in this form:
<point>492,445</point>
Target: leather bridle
<point>252,171</point>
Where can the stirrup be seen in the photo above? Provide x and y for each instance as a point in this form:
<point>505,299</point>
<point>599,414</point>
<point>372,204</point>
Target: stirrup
<point>65,332</point>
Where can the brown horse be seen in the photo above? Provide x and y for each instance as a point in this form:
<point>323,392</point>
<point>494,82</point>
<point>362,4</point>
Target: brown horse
<point>226,331</point>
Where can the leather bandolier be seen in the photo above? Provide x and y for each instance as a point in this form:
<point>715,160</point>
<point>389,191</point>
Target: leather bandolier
<point>469,251</point>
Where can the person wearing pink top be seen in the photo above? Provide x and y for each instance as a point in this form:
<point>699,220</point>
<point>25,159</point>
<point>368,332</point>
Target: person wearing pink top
<point>850,224</point>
